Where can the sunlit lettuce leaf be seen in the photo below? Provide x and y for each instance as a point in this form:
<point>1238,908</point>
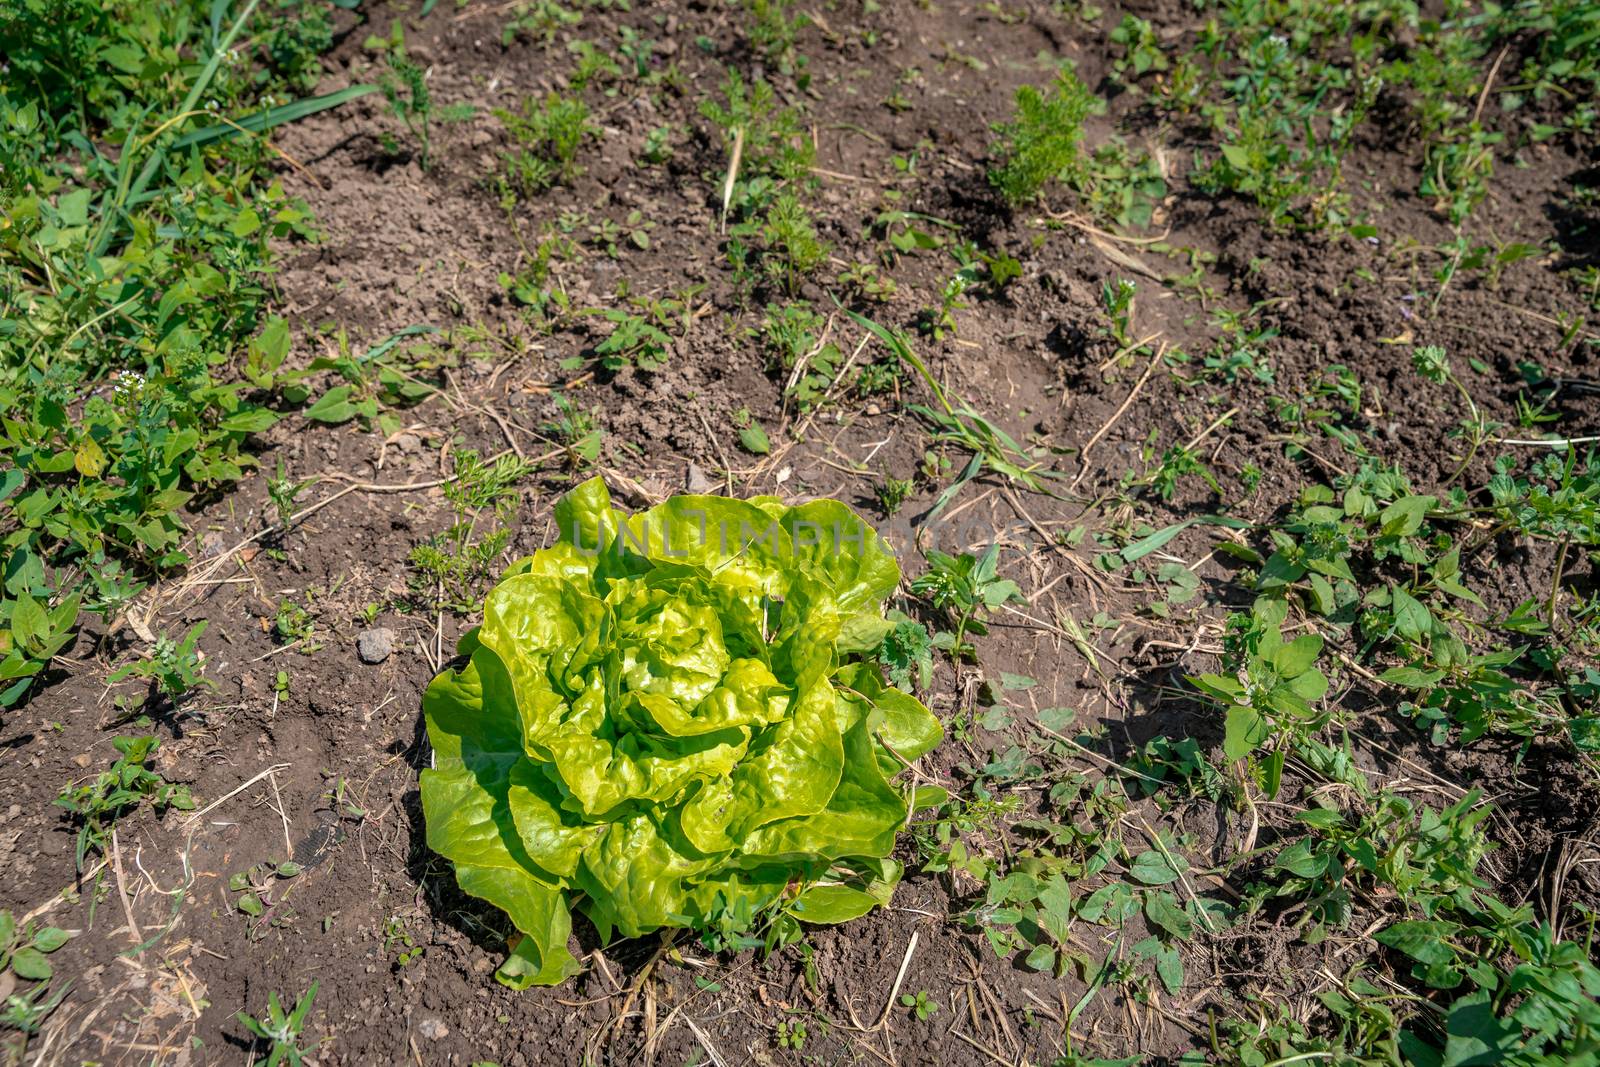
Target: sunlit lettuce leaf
<point>665,720</point>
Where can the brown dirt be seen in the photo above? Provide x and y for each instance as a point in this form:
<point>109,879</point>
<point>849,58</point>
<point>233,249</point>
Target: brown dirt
<point>405,247</point>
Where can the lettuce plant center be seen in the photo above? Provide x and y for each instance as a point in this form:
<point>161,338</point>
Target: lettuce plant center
<point>671,720</point>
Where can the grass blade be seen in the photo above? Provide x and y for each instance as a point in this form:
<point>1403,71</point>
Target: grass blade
<point>272,116</point>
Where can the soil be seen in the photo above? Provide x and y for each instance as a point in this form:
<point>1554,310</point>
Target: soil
<point>326,772</point>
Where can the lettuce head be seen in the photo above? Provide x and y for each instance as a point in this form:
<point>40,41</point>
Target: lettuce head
<point>667,720</point>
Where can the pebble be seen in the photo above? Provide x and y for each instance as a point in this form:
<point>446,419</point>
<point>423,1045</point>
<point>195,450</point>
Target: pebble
<point>696,481</point>
<point>376,645</point>
<point>433,1029</point>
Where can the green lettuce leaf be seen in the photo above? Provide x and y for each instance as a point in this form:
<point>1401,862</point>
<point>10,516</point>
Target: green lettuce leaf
<point>666,719</point>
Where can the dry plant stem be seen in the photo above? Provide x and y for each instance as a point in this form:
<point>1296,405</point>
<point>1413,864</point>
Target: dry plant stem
<point>1209,430</point>
<point>355,487</point>
<point>899,977</point>
<point>733,175</point>
<point>1555,582</point>
<point>277,797</point>
<point>727,468</point>
<point>705,1042</point>
<point>235,791</point>
<point>1488,83</point>
<point>1553,442</point>
<point>122,889</point>
<point>1083,454</point>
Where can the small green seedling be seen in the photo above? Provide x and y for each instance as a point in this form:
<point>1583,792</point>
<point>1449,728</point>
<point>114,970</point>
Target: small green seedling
<point>791,1034</point>
<point>1273,694</point>
<point>280,1030</point>
<point>26,1012</point>
<point>97,805</point>
<point>921,1004</point>
<point>284,494</point>
<point>752,436</point>
<point>397,940</point>
<point>966,588</point>
<point>176,668</point>
<point>893,492</point>
<point>1042,142</point>
<point>23,949</point>
<point>405,86</point>
<point>547,134</point>
<point>907,653</point>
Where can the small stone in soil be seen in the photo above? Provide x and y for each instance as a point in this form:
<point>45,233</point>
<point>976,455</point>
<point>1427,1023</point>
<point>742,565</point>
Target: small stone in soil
<point>375,646</point>
<point>696,481</point>
<point>433,1029</point>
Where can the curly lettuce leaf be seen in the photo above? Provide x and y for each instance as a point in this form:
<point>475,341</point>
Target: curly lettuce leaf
<point>664,719</point>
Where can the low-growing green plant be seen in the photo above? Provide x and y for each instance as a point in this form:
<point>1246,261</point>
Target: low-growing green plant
<point>262,899</point>
<point>1042,143</point>
<point>634,228</point>
<point>450,568</point>
<point>785,240</point>
<point>1177,462</point>
<point>657,148</point>
<point>1142,52</point>
<point>593,67</point>
<point>865,281</point>
<point>398,942</point>
<point>23,949</point>
<point>33,633</point>
<point>294,623</point>
<point>174,668</point>
<point>774,145</point>
<point>385,375</point>
<point>893,492</point>
<point>280,1030</point>
<point>1273,694</point>
<point>920,1004</point>
<point>547,135</point>
<point>665,720</point>
<point>27,1011</point>
<point>966,588</point>
<point>1295,97</point>
<point>141,219</point>
<point>940,320</point>
<point>774,33</point>
<point>907,654</point>
<point>956,422</point>
<point>539,20</point>
<point>578,429</point>
<point>98,804</point>
<point>791,1034</point>
<point>283,493</point>
<point>634,341</point>
<point>1117,296</point>
<point>795,338</point>
<point>405,86</point>
<point>752,435</point>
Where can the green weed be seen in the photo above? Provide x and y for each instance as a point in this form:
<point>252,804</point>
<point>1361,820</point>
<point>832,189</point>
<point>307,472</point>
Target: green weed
<point>405,87</point>
<point>547,135</point>
<point>966,588</point>
<point>280,1030</point>
<point>450,568</point>
<point>175,669</point>
<point>97,805</point>
<point>24,950</point>
<point>129,292</point>
<point>1042,143</point>
<point>578,429</point>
